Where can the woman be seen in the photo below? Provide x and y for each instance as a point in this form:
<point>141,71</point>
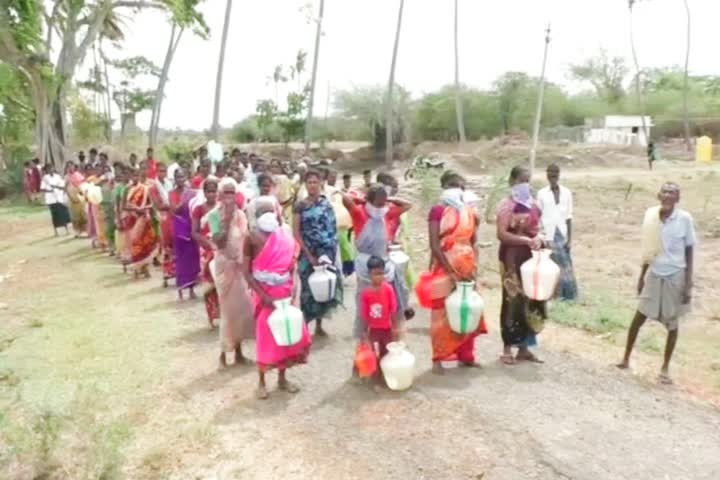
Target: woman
<point>76,202</point>
<point>160,199</point>
<point>98,229</point>
<point>266,184</point>
<point>270,254</point>
<point>371,218</point>
<point>518,224</point>
<point>122,244</point>
<point>53,186</point>
<point>452,224</point>
<point>90,178</point>
<point>141,235</point>
<point>316,233</point>
<point>186,252</point>
<point>228,226</point>
<point>108,209</point>
<point>201,235</point>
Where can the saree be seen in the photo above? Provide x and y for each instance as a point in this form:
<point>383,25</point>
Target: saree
<point>319,232</point>
<point>456,232</point>
<point>207,267</point>
<point>122,244</point>
<point>236,312</point>
<point>371,241</point>
<point>97,214</point>
<point>520,318</point>
<point>76,203</point>
<point>272,269</point>
<point>160,197</point>
<point>108,207</point>
<point>186,253</point>
<point>142,238</point>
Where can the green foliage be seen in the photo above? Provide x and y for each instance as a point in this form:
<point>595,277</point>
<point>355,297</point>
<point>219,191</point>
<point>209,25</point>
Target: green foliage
<point>599,312</point>
<point>267,111</point>
<point>178,147</point>
<point>88,127</point>
<point>185,14</point>
<point>606,75</point>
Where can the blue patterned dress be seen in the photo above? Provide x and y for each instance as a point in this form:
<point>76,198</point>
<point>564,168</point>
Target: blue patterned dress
<point>319,233</point>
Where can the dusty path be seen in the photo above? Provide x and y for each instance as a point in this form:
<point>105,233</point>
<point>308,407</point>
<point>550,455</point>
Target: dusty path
<point>130,358</point>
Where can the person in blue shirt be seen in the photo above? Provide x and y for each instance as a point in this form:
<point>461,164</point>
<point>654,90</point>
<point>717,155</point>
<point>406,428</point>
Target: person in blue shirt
<point>665,283</point>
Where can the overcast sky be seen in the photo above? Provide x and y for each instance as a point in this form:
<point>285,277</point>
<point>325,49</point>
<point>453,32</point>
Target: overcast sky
<point>495,37</point>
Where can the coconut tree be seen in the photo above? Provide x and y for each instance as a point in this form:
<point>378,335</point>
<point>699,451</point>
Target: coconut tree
<point>313,79</point>
<point>218,80</point>
<point>638,72</point>
<point>458,92</point>
<point>391,84</point>
<point>686,116</point>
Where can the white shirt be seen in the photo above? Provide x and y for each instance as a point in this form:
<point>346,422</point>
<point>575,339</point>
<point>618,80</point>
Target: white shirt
<point>171,173</point>
<point>56,195</point>
<point>555,215</point>
<point>677,233</point>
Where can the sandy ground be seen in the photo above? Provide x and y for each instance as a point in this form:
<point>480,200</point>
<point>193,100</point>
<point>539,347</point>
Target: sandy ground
<point>125,366</point>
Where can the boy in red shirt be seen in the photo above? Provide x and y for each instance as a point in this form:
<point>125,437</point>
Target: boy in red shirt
<point>378,307</point>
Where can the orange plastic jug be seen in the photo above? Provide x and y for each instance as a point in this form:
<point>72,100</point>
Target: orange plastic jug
<point>365,360</point>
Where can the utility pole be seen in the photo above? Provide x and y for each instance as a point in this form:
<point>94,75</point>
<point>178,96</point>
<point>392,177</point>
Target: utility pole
<point>316,58</point>
<point>541,95</point>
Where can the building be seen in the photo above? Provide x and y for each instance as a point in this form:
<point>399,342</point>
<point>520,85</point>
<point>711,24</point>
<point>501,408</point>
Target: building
<point>617,130</point>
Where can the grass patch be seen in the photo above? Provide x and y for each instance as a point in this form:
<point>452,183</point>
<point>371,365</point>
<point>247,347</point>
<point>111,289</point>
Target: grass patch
<point>599,313</point>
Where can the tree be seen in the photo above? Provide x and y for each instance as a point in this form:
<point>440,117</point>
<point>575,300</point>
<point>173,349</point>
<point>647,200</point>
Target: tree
<point>458,94</point>
<point>686,88</point>
<point>606,75</point>
<point>129,97</point>
<point>27,31</point>
<point>218,80</point>
<point>510,90</point>
<point>266,111</point>
<point>638,72</point>
<point>391,85</point>
<point>183,14</point>
<point>313,79</point>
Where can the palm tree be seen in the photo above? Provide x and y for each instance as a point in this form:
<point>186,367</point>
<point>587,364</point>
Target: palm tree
<point>686,116</point>
<point>316,56</point>
<point>218,81</point>
<point>391,84</point>
<point>458,93</point>
<point>638,73</point>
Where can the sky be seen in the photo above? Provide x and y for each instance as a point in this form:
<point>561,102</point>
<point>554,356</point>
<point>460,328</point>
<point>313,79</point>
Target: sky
<point>356,49</point>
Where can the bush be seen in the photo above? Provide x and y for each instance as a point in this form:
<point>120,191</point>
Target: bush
<point>11,179</point>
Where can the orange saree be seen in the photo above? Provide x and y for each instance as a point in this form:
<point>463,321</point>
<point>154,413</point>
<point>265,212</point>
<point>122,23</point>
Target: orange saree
<point>141,235</point>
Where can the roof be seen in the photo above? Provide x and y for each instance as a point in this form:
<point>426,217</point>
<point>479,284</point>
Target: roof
<point>620,121</point>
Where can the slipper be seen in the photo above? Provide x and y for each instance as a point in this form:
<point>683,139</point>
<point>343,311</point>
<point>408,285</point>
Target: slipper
<point>664,379</point>
<point>528,358</point>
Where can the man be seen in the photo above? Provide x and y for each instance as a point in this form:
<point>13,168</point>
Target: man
<point>347,183</point>
<point>665,283</point>
<point>93,160</point>
<point>556,203</point>
<point>170,179</point>
<point>81,160</point>
<point>152,166</point>
<point>105,167</point>
<point>134,162</point>
<point>367,180</point>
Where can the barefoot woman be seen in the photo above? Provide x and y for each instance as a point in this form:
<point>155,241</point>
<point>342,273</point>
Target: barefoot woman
<point>141,235</point>
<point>518,223</point>
<point>452,225</point>
<point>228,226</point>
<point>270,255</point>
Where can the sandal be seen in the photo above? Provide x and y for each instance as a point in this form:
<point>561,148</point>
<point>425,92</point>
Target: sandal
<point>507,359</point>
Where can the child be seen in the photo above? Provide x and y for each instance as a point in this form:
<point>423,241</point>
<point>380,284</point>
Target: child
<point>378,306</point>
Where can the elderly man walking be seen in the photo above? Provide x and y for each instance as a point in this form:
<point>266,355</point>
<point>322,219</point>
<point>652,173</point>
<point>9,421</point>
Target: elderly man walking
<point>665,283</point>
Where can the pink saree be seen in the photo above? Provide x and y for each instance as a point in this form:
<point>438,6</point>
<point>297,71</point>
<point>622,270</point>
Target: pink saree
<point>276,261</point>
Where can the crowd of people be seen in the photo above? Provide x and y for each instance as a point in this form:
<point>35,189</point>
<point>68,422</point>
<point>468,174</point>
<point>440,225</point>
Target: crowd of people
<point>245,232</point>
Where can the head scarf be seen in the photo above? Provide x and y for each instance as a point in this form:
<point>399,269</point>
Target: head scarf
<point>268,222</point>
<point>521,194</point>
<point>454,197</point>
<point>225,182</point>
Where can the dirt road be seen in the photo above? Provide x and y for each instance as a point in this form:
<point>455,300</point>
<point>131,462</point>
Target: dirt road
<point>130,375</point>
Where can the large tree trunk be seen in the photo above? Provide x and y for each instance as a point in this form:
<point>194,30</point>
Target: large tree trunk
<point>108,98</point>
<point>458,92</point>
<point>218,80</point>
<point>313,80</point>
<point>391,84</point>
<point>638,75</point>
<point>686,115</point>
<point>175,35</point>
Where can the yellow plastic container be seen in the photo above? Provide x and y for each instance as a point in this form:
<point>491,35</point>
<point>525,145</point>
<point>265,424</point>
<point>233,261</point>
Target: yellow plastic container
<point>703,150</point>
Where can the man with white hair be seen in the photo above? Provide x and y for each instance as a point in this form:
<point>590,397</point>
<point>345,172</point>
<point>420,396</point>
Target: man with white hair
<point>666,278</point>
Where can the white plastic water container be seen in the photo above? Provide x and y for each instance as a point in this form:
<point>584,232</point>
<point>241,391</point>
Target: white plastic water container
<point>398,366</point>
<point>540,276</point>
<point>323,282</point>
<point>464,308</point>
<point>286,323</point>
<point>398,257</point>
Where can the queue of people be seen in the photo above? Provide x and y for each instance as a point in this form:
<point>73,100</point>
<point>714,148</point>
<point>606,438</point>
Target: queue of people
<point>245,233</point>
